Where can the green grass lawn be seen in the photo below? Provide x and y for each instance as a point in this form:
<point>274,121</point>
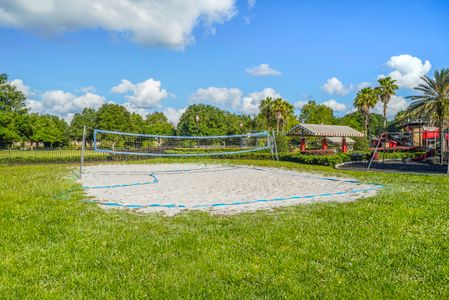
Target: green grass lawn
<point>393,245</point>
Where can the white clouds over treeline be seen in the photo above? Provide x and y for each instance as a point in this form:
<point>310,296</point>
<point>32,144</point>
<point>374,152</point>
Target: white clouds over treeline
<point>406,69</point>
<point>141,97</point>
<point>149,95</point>
<point>232,98</point>
<point>161,22</point>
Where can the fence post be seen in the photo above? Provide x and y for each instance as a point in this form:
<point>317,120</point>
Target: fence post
<point>83,145</point>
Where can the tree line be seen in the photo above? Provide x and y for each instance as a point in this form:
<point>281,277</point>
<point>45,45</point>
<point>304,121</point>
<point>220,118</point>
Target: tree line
<point>18,125</point>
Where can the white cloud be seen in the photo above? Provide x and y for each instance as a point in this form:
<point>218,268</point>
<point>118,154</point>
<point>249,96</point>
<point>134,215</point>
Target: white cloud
<point>250,103</point>
<point>334,86</point>
<point>62,103</point>
<point>300,104</point>
<point>25,89</point>
<point>265,93</point>
<point>34,106</point>
<point>146,94</point>
<point>173,114</point>
<point>263,70</point>
<point>88,89</point>
<point>66,104</point>
<point>58,102</point>
<point>362,85</point>
<point>407,70</point>
<point>123,87</point>
<point>161,22</point>
<point>222,97</point>
<point>250,4</point>
<point>396,104</point>
<point>231,98</point>
<point>336,106</point>
<point>249,106</point>
<point>133,109</point>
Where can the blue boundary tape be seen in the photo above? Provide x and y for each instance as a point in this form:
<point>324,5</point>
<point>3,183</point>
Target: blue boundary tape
<point>198,206</point>
<point>155,180</point>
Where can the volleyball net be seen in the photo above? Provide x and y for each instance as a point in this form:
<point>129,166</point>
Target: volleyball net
<point>124,143</point>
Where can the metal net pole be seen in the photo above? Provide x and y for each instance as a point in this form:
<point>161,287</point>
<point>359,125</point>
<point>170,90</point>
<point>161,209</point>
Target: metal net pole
<point>83,148</point>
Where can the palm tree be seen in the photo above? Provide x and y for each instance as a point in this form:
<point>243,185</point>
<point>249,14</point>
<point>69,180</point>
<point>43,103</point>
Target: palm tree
<point>287,113</point>
<point>278,109</point>
<point>365,100</point>
<point>266,109</point>
<point>282,110</point>
<point>434,101</point>
<point>386,89</point>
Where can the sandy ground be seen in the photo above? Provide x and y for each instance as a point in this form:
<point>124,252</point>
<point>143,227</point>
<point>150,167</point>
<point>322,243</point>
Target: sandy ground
<point>221,189</point>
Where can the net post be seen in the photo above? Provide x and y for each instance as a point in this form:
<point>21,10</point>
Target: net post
<point>83,148</point>
<point>275,147</point>
<point>270,144</point>
<point>95,139</point>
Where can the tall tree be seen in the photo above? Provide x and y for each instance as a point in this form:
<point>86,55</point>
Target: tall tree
<point>283,111</point>
<point>8,132</point>
<point>136,123</point>
<point>433,101</point>
<point>353,120</point>
<point>365,100</point>
<point>114,117</point>
<point>266,109</point>
<point>14,122</point>
<point>278,111</point>
<point>202,119</point>
<point>11,99</point>
<point>88,118</point>
<point>387,88</point>
<point>157,123</point>
<point>313,113</point>
<point>49,130</point>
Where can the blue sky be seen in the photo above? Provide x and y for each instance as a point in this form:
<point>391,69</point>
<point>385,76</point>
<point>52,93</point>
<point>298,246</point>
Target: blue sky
<point>162,55</point>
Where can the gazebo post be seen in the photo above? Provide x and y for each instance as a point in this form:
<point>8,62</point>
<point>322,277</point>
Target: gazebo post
<point>324,144</point>
<point>344,146</point>
<point>303,144</point>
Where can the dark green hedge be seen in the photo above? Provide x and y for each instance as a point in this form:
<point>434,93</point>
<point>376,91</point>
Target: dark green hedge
<point>366,155</point>
<point>324,160</point>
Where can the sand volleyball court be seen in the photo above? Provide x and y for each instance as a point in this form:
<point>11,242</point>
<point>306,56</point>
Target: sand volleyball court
<point>221,189</point>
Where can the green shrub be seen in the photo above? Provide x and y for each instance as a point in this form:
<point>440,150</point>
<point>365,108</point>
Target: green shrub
<point>282,143</point>
<point>366,155</point>
<point>324,160</point>
<point>361,144</point>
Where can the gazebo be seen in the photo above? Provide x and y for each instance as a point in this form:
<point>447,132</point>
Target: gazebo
<point>324,131</point>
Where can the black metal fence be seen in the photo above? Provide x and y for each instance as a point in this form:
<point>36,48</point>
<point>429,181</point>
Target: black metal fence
<point>17,156</point>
